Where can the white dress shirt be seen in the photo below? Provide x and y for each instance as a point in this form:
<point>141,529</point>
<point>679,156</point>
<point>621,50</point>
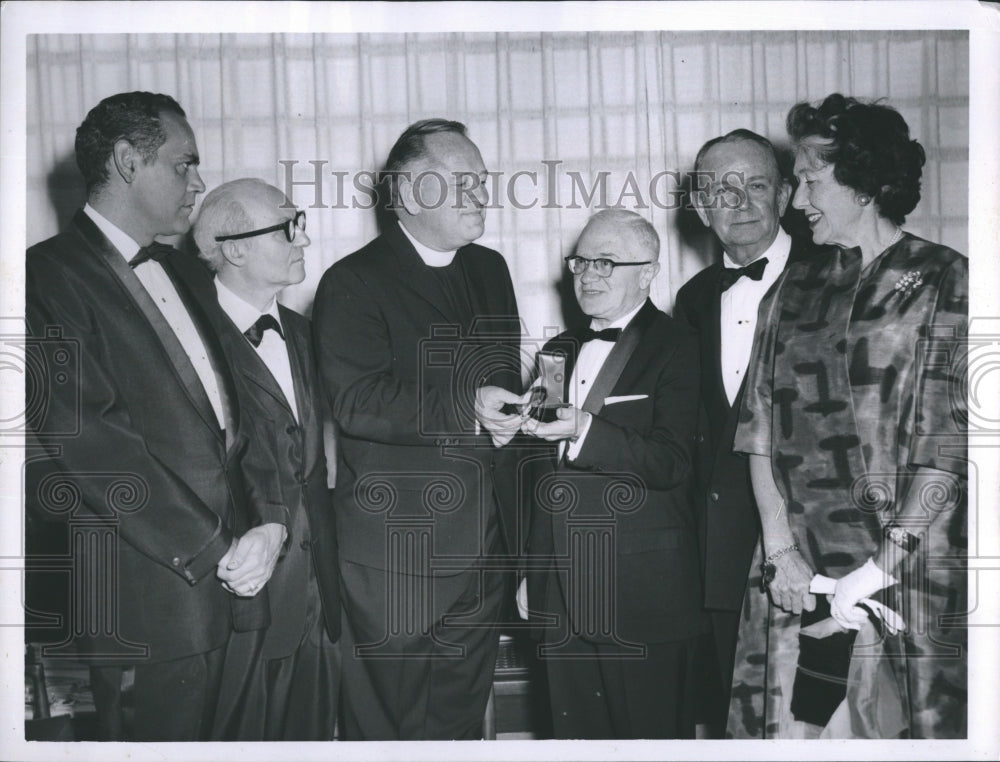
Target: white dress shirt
<point>738,313</point>
<point>272,349</point>
<point>161,290</point>
<point>593,355</point>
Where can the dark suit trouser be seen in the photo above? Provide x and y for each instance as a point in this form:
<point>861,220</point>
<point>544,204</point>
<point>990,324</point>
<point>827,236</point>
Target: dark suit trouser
<point>597,694</point>
<point>725,625</point>
<point>293,698</point>
<point>168,701</point>
<point>605,697</point>
<point>433,683</point>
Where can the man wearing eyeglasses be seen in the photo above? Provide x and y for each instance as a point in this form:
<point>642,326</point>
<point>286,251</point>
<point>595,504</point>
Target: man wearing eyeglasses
<point>147,435</point>
<point>254,240</point>
<point>612,514</point>
<point>418,342</point>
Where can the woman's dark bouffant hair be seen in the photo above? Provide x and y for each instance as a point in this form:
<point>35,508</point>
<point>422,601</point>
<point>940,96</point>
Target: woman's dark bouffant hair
<point>871,150</point>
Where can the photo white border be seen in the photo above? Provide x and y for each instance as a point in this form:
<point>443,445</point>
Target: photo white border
<point>19,19</point>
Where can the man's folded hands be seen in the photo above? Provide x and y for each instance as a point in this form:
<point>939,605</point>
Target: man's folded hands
<point>248,564</point>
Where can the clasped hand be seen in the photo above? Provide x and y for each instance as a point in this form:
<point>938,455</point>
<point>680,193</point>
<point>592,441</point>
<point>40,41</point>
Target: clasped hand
<point>789,589</point>
<point>501,426</point>
<point>852,588</point>
<point>568,424</point>
<point>248,564</point>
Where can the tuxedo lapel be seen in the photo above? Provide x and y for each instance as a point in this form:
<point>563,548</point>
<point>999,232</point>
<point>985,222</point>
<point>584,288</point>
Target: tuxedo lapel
<point>254,369</point>
<point>714,323</point>
<point>298,348</point>
<point>179,360</point>
<point>613,368</point>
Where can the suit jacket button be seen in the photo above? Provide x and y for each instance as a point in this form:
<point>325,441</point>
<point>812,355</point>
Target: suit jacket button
<point>176,562</point>
<point>298,476</point>
<point>305,545</point>
<point>290,429</point>
<point>714,496</point>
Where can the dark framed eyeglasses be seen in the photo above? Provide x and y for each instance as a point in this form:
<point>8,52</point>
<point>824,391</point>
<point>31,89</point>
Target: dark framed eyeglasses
<point>290,226</point>
<point>602,266</point>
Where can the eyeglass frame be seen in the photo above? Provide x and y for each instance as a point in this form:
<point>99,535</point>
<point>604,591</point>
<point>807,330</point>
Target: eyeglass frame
<point>290,225</point>
<point>591,264</point>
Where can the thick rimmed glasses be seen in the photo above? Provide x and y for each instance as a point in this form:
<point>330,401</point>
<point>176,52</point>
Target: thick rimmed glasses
<point>602,266</point>
<point>290,226</point>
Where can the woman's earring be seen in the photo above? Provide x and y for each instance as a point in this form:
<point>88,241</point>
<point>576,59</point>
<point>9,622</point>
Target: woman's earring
<point>864,199</point>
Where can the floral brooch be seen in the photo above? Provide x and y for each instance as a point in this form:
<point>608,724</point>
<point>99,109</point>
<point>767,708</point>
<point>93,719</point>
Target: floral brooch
<point>909,283</point>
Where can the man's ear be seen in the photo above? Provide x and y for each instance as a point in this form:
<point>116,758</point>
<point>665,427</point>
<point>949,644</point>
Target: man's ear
<point>407,198</point>
<point>234,253</point>
<point>784,196</point>
<point>700,199</point>
<point>125,158</point>
<point>648,273</point>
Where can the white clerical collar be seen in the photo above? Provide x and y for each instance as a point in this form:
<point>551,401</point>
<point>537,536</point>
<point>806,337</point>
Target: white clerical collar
<point>431,257</point>
<point>121,240</point>
<point>624,320</point>
<point>775,253</point>
<point>240,311</point>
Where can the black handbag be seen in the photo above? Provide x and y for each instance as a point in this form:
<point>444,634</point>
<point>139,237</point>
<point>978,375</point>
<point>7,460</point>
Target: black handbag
<point>821,675</point>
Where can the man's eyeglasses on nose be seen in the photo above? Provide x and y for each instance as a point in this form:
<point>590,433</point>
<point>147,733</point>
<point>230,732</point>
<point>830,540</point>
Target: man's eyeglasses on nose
<point>298,222</point>
<point>602,266</point>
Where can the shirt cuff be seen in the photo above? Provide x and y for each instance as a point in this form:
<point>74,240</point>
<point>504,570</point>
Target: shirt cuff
<point>573,447</point>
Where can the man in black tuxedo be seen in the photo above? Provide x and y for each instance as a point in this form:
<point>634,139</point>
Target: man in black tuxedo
<point>741,198</point>
<point>253,239</point>
<point>417,338</point>
<point>154,409</point>
<point>613,524</point>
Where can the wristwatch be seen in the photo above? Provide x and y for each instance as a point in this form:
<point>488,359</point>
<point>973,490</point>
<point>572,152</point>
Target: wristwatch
<point>901,538</point>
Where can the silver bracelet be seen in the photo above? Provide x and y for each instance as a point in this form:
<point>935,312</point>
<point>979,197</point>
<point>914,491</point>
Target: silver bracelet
<point>779,553</point>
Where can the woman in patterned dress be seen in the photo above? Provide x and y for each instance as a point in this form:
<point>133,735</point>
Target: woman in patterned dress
<point>854,421</point>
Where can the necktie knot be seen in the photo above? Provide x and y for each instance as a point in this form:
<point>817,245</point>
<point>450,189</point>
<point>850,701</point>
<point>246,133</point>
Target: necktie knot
<point>255,333</point>
<point>753,271</point>
<point>155,251</point>
<point>607,334</point>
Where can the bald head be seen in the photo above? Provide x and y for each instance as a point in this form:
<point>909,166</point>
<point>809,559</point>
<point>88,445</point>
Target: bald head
<point>621,237</point>
<point>643,240</point>
<point>258,266</point>
<point>227,210</point>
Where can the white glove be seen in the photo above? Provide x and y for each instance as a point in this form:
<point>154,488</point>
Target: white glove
<point>522,599</point>
<point>850,597</point>
<point>821,585</point>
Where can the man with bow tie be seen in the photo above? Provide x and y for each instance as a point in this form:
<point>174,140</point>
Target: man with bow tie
<point>741,196</point>
<point>613,573</point>
<point>253,239</point>
<point>148,435</point>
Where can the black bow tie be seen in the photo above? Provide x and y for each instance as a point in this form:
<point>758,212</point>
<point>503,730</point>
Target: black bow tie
<point>155,251</point>
<point>729,275</point>
<point>608,334</point>
<point>255,332</point>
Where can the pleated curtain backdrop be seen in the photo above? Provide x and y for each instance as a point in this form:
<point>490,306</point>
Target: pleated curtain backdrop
<point>572,108</point>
